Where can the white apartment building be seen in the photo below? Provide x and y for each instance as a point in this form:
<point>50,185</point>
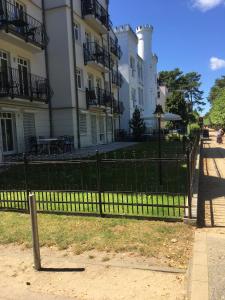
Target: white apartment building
<point>138,67</point>
<point>24,91</point>
<point>70,46</point>
<point>83,54</point>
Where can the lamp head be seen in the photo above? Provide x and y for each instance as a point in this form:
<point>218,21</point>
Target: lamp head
<point>158,111</point>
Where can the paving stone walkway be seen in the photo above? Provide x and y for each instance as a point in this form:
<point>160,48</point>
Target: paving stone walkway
<point>208,268</point>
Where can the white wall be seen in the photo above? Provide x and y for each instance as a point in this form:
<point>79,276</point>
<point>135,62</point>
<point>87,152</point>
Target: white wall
<point>139,46</point>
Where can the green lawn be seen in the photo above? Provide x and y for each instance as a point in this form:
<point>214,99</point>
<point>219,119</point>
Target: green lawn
<point>80,234</point>
<point>141,204</point>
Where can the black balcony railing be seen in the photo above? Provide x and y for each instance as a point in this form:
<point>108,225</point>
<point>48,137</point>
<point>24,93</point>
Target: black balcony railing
<point>117,78</point>
<point>93,7</point>
<point>99,97</point>
<point>15,20</point>
<point>93,52</point>
<point>115,48</point>
<point>17,83</point>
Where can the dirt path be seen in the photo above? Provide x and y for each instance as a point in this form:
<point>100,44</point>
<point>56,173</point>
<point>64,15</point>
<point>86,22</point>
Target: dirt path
<point>212,195</point>
<point>120,278</point>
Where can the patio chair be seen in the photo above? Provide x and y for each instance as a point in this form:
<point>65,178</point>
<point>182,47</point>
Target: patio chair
<point>68,143</point>
<point>57,147</point>
<point>33,145</point>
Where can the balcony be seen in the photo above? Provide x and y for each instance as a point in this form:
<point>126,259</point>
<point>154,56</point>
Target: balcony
<point>115,48</point>
<point>117,79</point>
<point>95,15</point>
<point>99,98</point>
<point>17,23</point>
<point>118,107</point>
<point>20,84</point>
<point>96,56</point>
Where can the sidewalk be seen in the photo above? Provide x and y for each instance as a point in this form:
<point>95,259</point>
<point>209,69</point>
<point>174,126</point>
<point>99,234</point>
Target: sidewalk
<point>208,266</point>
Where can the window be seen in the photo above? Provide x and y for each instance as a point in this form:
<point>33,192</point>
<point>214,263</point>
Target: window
<point>133,97</point>
<point>159,94</point>
<point>83,124</point>
<point>87,37</point>
<point>77,32</point>
<point>79,78</point>
<point>90,82</point>
<point>141,96</point>
<point>98,83</point>
<point>132,65</point>
<point>109,123</point>
<point>140,71</point>
<point>3,59</point>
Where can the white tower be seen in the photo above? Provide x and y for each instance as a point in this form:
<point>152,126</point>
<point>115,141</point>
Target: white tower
<point>144,34</point>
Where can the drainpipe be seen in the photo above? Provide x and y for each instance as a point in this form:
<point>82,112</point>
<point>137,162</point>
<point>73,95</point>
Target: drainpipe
<point>106,114</point>
<point>47,72</point>
<point>75,71</point>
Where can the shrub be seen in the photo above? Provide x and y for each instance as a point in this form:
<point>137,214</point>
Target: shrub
<point>194,130</point>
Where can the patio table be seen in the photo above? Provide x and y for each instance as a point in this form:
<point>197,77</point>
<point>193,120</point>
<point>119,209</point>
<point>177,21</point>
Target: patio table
<point>46,142</point>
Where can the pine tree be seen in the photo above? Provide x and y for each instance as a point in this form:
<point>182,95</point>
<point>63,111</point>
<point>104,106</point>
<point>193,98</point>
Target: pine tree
<point>137,124</point>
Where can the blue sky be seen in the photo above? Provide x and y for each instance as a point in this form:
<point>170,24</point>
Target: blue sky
<point>189,34</point>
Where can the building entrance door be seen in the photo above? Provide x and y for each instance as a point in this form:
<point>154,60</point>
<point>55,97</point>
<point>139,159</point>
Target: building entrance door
<point>94,137</point>
<point>7,132</point>
<point>23,77</point>
<point>3,72</point>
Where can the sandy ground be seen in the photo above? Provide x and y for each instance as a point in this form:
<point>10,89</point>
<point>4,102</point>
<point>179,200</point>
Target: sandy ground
<point>105,277</point>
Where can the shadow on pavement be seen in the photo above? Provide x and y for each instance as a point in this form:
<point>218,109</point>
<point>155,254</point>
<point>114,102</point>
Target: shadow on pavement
<point>62,270</point>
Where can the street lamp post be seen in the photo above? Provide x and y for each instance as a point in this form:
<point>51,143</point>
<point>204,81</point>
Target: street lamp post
<point>158,113</point>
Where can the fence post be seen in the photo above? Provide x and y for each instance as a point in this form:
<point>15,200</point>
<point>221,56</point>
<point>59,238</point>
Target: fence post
<point>189,183</point>
<point>25,161</point>
<point>34,227</point>
<point>98,164</point>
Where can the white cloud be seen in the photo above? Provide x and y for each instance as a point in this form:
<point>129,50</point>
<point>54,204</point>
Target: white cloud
<point>216,63</point>
<point>205,5</point>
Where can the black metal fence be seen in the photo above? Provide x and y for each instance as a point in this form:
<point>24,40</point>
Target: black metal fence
<point>104,185</point>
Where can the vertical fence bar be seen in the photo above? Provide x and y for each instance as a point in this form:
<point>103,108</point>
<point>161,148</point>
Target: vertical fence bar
<point>98,165</point>
<point>189,183</point>
<point>34,227</point>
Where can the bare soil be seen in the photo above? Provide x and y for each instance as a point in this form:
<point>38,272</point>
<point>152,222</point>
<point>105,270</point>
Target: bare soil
<point>106,276</point>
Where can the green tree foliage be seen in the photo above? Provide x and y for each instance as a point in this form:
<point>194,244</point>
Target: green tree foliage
<point>137,124</point>
<point>173,80</point>
<point>216,89</point>
<point>189,84</point>
<point>217,113</point>
<point>176,104</point>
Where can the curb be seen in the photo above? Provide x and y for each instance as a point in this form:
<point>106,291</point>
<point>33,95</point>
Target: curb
<point>198,284</point>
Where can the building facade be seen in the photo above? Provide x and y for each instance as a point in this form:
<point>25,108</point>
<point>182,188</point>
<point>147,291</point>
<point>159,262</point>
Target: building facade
<point>83,56</point>
<point>163,93</point>
<point>24,89</point>
<point>138,67</point>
